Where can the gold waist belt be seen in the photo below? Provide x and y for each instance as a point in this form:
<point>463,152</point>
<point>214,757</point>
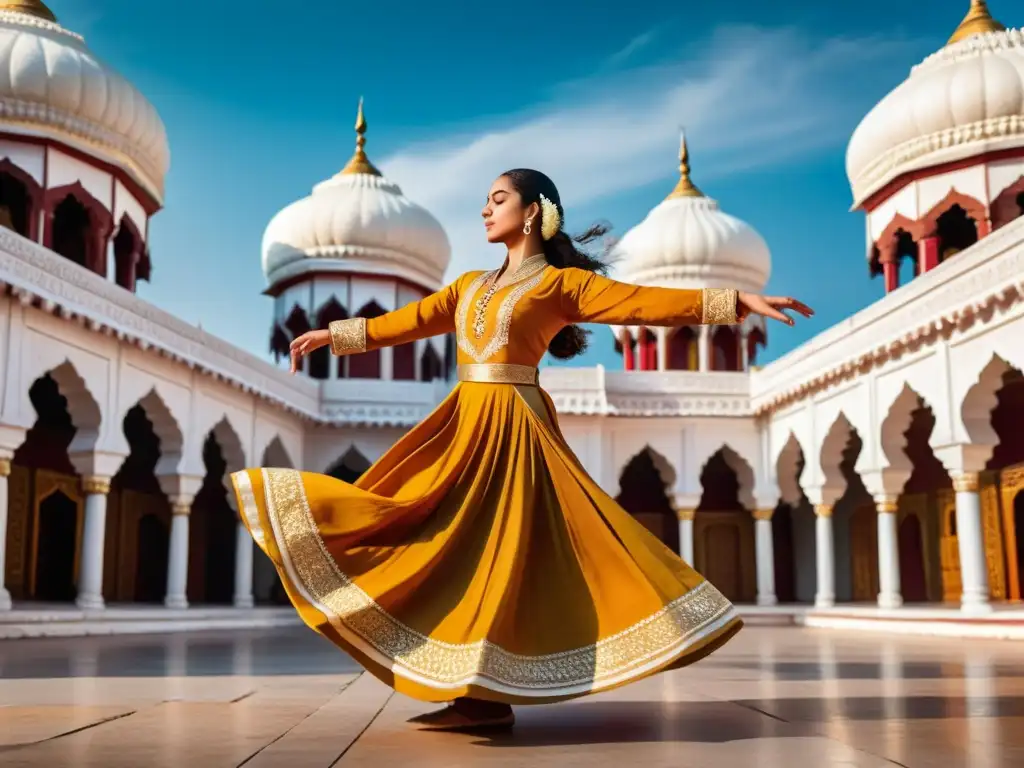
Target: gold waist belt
<point>498,373</point>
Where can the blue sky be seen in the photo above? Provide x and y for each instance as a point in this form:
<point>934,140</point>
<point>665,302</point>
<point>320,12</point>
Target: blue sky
<point>259,104</point>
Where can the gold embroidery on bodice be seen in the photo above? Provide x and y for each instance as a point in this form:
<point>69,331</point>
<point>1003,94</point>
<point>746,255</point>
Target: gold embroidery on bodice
<point>525,278</point>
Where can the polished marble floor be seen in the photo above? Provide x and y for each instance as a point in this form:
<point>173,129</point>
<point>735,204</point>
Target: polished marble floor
<point>772,697</point>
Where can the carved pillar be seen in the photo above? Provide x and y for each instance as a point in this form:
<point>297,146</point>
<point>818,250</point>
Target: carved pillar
<point>47,215</point>
<point>643,355</point>
<point>889,595</point>
<point>927,254</point>
<point>177,561</point>
<point>971,543</point>
<point>890,268</point>
<point>90,574</point>
<point>243,567</point>
<point>98,249</point>
<point>685,517</point>
<point>825,595</point>
<point>765,557</point>
<point>703,343</point>
<point>662,337</point>
<point>5,471</point>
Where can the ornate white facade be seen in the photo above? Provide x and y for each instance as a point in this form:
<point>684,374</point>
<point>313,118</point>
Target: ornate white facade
<point>876,463</point>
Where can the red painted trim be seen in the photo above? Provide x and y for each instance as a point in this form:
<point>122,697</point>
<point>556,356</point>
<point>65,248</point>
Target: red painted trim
<point>149,204</point>
<point>278,288</point>
<point>877,198</point>
<point>928,250</point>
<point>892,275</point>
<point>1004,208</point>
<point>974,208</point>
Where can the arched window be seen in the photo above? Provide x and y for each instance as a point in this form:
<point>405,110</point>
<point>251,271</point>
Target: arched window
<point>956,231</point>
<point>279,343</point>
<point>127,251</point>
<point>78,226</point>
<point>71,231</point>
<point>18,200</point>
<point>755,339</point>
<point>298,324</point>
<point>320,359</point>
<point>430,364</point>
<point>725,349</point>
<point>366,365</point>
<point>683,350</point>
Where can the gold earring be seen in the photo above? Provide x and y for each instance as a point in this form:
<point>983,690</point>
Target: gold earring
<point>528,226</point>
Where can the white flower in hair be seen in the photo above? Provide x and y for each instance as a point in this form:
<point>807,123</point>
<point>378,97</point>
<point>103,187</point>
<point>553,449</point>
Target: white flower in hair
<point>550,220</point>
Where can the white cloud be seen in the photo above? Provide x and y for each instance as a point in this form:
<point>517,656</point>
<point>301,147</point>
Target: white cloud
<point>750,98</point>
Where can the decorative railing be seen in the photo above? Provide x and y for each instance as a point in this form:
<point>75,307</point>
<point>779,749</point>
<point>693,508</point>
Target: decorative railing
<point>596,391</point>
<point>987,274</point>
<point>38,276</point>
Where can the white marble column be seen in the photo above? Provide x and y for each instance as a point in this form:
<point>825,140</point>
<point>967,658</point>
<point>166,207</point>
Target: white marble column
<point>971,542</point>
<point>744,349</point>
<point>90,571</point>
<point>824,551</point>
<point>243,567</point>
<point>703,345</point>
<point>5,471</point>
<point>177,561</point>
<point>889,588</point>
<point>662,335</point>
<point>765,557</point>
<point>685,517</point>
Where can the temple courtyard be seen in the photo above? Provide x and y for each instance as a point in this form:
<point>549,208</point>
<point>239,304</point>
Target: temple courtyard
<point>775,696</point>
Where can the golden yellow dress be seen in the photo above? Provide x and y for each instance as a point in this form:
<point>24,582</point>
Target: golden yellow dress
<point>476,557</point>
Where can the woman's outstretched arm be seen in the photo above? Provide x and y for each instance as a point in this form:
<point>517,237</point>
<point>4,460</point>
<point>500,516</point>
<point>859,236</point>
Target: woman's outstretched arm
<point>430,316</point>
<point>588,297</point>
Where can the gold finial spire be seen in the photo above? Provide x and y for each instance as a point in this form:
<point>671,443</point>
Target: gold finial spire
<point>977,22</point>
<point>360,163</point>
<point>685,187</point>
<point>35,8</point>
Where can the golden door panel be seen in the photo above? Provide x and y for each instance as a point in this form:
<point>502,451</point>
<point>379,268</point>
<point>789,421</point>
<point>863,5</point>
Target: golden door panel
<point>991,522</point>
<point>920,505</point>
<point>135,505</point>
<point>724,550</point>
<point>864,553</point>
<point>56,536</point>
<point>1011,482</point>
<point>949,546</point>
<point>722,553</point>
<point>19,515</point>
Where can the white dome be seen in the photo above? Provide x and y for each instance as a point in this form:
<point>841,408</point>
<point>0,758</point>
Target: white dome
<point>51,85</point>
<point>357,221</point>
<point>965,100</point>
<point>688,242</point>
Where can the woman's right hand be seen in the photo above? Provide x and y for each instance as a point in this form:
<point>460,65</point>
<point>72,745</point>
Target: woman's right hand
<point>306,343</point>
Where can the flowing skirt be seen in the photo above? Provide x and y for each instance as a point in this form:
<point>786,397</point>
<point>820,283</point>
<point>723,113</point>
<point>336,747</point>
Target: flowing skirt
<point>477,558</point>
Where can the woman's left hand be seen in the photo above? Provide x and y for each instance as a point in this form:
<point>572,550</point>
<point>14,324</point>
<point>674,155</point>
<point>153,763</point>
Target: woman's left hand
<point>770,306</point>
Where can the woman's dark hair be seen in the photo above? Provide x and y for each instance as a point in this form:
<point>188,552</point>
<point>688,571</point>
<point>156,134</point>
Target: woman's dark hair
<point>561,251</point>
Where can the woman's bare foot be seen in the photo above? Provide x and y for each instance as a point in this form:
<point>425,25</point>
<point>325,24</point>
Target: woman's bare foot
<point>466,714</point>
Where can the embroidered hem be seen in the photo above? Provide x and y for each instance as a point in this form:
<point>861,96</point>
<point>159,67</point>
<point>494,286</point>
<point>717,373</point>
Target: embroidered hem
<point>639,649</point>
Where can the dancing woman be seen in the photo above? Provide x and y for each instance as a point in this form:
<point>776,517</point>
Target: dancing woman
<point>476,562</point>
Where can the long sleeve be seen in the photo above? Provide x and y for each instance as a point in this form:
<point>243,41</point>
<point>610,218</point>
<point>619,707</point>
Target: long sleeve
<point>588,297</point>
<point>432,315</point>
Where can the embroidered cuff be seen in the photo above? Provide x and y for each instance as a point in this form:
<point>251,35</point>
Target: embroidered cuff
<point>348,336</point>
<point>719,306</point>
